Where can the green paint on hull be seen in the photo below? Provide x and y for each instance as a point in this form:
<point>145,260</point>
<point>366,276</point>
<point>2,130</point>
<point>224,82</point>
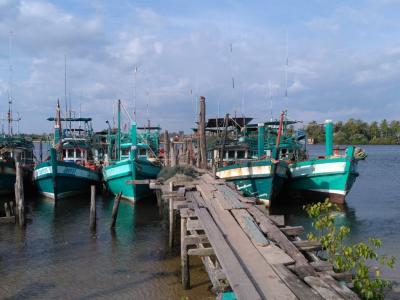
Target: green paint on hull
<point>260,179</point>
<point>71,179</point>
<point>117,175</point>
<point>332,176</point>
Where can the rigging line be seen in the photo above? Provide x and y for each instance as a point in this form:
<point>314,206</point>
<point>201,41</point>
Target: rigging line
<point>134,93</point>
<point>126,111</point>
<point>65,86</point>
<point>9,117</point>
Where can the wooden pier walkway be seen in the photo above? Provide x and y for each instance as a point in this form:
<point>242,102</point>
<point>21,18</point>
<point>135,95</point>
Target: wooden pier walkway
<point>244,249</point>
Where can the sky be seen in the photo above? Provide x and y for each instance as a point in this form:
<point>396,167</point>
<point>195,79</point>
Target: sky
<point>317,59</point>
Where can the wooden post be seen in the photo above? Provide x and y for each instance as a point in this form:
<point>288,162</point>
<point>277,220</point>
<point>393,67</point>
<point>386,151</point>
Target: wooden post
<point>190,153</point>
<point>115,210</point>
<point>41,150</point>
<point>171,216</point>
<point>202,133</point>
<point>19,194</point>
<point>184,256</point>
<point>93,207</point>
<point>167,148</point>
<point>173,155</point>
<point>7,210</point>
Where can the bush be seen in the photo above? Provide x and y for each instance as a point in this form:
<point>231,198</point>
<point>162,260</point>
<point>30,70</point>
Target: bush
<point>357,258</point>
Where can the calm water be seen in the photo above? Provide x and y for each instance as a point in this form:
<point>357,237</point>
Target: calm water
<point>57,256</point>
<point>373,205</point>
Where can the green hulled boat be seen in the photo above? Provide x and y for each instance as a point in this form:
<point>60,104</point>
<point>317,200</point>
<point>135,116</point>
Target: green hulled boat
<point>261,177</point>
<point>331,175</point>
<point>136,161</point>
<point>14,148</point>
<point>261,174</point>
<point>70,169</point>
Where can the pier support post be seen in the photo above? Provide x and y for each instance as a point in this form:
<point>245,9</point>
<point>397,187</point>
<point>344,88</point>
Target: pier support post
<point>93,208</point>
<point>184,256</point>
<point>115,210</point>
<point>19,195</point>
<point>173,155</point>
<point>202,133</point>
<point>171,216</point>
<point>167,148</point>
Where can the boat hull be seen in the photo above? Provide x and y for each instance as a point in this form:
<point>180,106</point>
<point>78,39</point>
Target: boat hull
<point>8,177</point>
<point>118,175</point>
<point>330,178</point>
<point>260,179</point>
<point>68,180</point>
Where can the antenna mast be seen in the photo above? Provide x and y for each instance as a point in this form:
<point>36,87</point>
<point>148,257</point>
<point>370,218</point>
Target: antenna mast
<point>287,64</point>
<point>65,86</point>
<point>9,115</point>
<point>134,95</point>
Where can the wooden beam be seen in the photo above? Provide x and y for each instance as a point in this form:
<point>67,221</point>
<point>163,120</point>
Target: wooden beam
<point>307,245</point>
<point>201,252</point>
<point>293,230</point>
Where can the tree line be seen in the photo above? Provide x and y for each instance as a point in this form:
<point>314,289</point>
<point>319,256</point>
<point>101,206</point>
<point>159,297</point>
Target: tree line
<point>357,132</point>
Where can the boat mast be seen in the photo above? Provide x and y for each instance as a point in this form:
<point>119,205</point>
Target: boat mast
<point>119,131</point>
<point>9,114</point>
<point>278,138</point>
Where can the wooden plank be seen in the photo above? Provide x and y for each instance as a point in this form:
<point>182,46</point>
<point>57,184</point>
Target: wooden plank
<point>321,266</point>
<point>237,277</point>
<point>205,193</point>
<point>275,255</point>
<point>307,245</point>
<point>5,220</point>
<point>275,234</point>
<point>195,239</point>
<point>227,198</point>
<point>138,181</point>
<point>268,283</point>
<point>322,288</point>
<point>250,227</point>
<point>201,252</point>
<point>296,285</point>
<point>293,230</point>
<point>194,225</point>
<point>341,289</point>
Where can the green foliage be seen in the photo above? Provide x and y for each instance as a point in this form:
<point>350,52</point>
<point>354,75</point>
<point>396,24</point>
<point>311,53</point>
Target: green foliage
<point>358,132</point>
<point>360,258</point>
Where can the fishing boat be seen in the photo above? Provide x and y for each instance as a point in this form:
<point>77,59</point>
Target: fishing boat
<point>329,176</point>
<point>70,169</point>
<point>262,176</point>
<point>135,163</point>
<point>13,149</point>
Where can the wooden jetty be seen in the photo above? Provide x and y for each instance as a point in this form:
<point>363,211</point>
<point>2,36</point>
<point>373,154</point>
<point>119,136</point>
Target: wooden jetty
<point>244,249</point>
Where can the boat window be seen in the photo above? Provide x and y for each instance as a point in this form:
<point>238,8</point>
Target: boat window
<point>64,153</point>
<point>231,154</point>
<point>125,152</point>
<point>240,154</point>
<point>70,153</point>
<point>78,153</point>
<point>284,151</point>
<point>142,151</point>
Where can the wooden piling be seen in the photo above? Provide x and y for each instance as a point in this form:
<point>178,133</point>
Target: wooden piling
<point>184,255</point>
<point>202,133</point>
<point>115,210</point>
<point>173,155</point>
<point>19,195</point>
<point>167,149</point>
<point>93,207</point>
<point>171,216</point>
<point>7,210</point>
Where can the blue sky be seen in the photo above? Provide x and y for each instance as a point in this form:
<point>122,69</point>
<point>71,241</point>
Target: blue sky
<point>344,59</point>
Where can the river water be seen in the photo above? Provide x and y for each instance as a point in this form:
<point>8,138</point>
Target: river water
<point>56,255</point>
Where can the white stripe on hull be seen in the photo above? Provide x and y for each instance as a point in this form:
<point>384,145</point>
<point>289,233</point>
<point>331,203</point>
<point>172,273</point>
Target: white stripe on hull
<point>318,169</point>
<point>247,171</point>
<point>328,191</point>
<point>62,170</point>
<point>61,195</point>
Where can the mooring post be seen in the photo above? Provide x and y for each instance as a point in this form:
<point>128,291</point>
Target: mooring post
<point>202,133</point>
<point>7,210</point>
<point>93,207</point>
<point>19,194</point>
<point>115,210</point>
<point>41,150</point>
<point>184,256</point>
<point>173,154</point>
<point>166,152</point>
<point>171,216</point>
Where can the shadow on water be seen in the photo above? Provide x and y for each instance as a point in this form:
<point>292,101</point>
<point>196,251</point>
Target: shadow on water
<point>57,254</point>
